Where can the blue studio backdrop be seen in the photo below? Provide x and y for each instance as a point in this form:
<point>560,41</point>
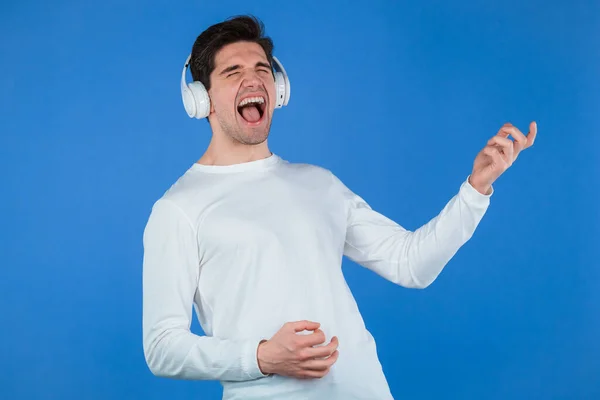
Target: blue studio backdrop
<point>396,98</point>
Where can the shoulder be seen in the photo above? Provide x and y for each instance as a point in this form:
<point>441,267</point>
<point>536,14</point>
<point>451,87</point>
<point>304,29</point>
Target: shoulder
<point>182,199</point>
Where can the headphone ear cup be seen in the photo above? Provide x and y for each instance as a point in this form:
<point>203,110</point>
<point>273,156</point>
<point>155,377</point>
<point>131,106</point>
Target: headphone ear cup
<point>279,90</point>
<point>201,100</point>
<point>188,101</point>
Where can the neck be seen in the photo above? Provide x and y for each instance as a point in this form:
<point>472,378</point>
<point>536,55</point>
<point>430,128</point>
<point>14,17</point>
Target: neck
<point>229,152</point>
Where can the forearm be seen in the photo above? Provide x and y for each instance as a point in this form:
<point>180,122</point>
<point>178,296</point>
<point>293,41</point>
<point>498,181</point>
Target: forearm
<point>413,259</point>
<point>178,353</point>
<point>427,250</point>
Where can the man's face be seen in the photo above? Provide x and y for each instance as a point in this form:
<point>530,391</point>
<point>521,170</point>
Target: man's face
<point>242,92</point>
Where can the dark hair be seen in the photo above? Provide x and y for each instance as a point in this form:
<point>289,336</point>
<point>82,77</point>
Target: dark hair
<point>245,28</point>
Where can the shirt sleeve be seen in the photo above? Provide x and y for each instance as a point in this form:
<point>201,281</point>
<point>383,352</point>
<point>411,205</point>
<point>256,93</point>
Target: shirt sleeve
<point>412,259</point>
<point>170,276</point>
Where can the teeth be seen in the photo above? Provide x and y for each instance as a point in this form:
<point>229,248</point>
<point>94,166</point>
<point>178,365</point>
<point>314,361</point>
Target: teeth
<point>257,100</point>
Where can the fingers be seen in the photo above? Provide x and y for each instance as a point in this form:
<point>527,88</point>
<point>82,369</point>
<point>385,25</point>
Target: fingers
<point>319,351</point>
<point>522,142</point>
<point>505,147</point>
<point>323,351</point>
<point>510,129</point>
<point>313,361</point>
<point>497,157</point>
<point>304,325</point>
<point>520,139</point>
<point>322,364</point>
<point>313,339</point>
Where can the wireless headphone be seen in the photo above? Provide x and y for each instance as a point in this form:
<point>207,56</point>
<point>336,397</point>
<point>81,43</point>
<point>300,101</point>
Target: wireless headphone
<point>197,103</point>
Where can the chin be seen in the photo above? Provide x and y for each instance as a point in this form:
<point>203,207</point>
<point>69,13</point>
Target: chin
<point>254,132</point>
<point>253,136</point>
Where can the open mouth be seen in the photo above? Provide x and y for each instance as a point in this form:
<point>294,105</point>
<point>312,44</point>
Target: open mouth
<point>252,109</point>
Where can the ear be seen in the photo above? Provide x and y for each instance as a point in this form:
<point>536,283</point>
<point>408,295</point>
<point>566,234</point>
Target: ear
<point>212,107</point>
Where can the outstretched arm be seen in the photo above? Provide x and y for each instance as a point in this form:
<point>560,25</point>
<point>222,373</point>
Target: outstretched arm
<point>170,276</point>
<point>412,259</point>
<point>415,259</point>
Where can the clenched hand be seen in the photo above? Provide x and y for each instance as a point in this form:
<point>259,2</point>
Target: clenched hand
<point>498,155</point>
<point>289,354</point>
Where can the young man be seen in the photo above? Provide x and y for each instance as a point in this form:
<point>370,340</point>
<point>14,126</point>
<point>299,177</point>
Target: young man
<point>255,244</point>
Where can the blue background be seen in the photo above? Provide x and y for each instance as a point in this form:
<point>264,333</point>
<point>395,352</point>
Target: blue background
<point>396,98</point>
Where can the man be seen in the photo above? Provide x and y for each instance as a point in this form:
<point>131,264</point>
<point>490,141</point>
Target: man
<point>255,244</point>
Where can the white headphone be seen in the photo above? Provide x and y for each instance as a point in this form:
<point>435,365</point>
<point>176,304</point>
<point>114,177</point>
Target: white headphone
<point>197,103</point>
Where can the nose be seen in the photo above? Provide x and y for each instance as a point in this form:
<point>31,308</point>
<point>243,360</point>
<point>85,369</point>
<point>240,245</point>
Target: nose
<point>251,79</point>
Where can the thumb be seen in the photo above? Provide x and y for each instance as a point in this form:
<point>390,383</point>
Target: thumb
<point>300,326</point>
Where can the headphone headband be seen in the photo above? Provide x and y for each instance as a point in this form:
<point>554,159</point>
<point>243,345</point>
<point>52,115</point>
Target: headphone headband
<point>185,67</point>
<point>197,102</point>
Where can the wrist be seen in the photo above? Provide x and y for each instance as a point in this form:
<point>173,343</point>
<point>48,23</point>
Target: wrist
<point>482,188</point>
<point>260,358</point>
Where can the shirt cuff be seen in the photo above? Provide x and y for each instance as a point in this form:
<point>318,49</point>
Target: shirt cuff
<point>473,196</point>
<point>250,360</point>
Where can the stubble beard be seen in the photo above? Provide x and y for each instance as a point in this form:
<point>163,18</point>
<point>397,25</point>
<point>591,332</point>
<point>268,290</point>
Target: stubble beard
<point>245,135</point>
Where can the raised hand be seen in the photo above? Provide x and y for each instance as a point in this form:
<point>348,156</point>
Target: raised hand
<point>289,354</point>
<point>498,155</point>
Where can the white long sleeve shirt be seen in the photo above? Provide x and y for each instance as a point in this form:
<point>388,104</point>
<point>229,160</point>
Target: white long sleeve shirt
<point>254,245</point>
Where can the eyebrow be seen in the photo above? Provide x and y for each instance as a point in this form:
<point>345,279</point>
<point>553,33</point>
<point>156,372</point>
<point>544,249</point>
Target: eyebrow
<point>234,67</point>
